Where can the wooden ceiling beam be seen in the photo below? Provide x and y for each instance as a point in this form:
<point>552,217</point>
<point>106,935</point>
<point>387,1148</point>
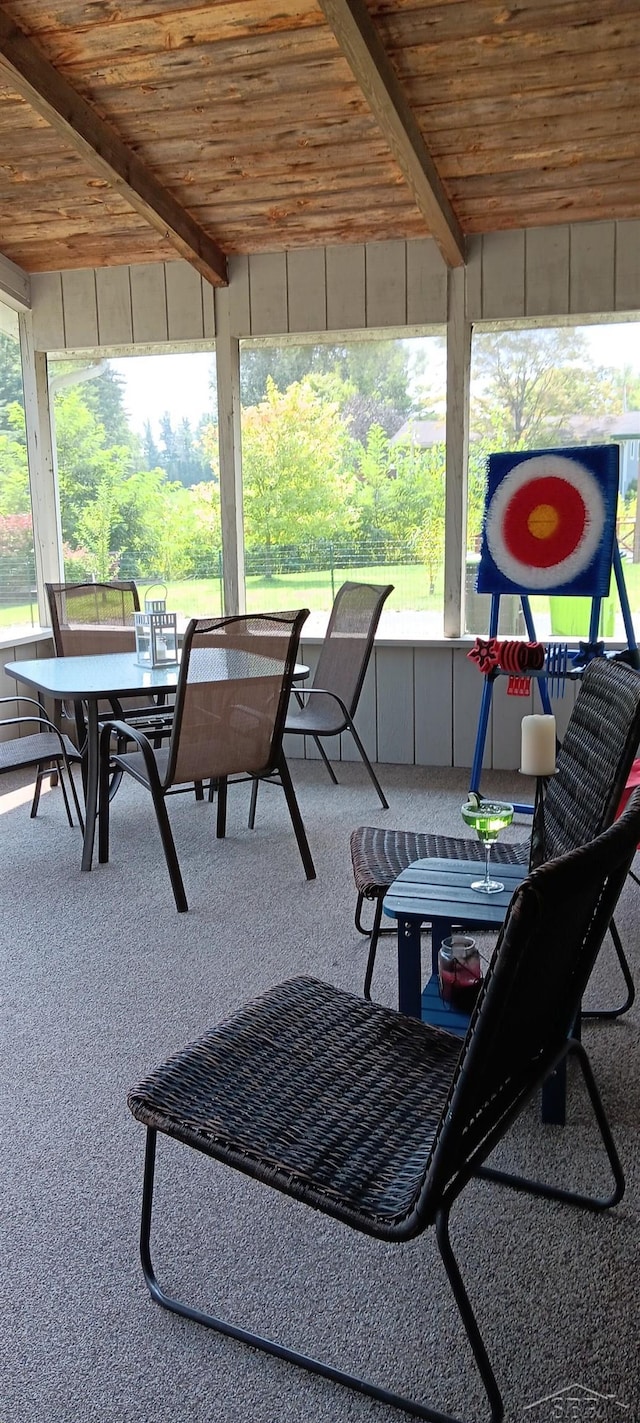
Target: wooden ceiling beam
<point>15,285</point>
<point>364,51</point>
<point>45,90</point>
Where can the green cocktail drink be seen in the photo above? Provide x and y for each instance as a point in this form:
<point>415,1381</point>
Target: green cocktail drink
<point>487,818</point>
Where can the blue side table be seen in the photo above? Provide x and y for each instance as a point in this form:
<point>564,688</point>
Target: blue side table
<point>439,893</point>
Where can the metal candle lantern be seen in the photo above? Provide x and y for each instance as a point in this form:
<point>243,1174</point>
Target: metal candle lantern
<point>156,633</point>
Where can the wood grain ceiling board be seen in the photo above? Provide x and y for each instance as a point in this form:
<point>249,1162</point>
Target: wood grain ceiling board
<point>249,115</point>
<point>528,110</point>
<point>162,74</point>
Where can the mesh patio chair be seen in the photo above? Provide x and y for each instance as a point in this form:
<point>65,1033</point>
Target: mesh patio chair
<point>380,1121</point>
<point>91,618</point>
<point>582,798</point>
<point>233,688</point>
<point>42,746</point>
<point>328,707</point>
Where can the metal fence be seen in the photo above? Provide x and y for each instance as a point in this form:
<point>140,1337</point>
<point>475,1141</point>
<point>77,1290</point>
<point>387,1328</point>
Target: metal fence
<point>18,586</point>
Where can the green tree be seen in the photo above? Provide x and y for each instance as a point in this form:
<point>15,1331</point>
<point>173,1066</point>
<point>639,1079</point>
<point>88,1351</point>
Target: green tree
<point>150,449</point>
<point>10,375</point>
<point>373,370</point>
<point>86,461</point>
<point>105,397</point>
<point>14,472</point>
<point>527,385</point>
<point>296,484</point>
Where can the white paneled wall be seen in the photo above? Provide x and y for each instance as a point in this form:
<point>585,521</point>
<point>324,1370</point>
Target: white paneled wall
<point>420,706</point>
<point>572,270</point>
<point>20,652</point>
<point>382,285</point>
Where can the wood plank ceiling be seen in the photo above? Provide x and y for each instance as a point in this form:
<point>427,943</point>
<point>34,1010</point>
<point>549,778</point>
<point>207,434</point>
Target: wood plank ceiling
<point>248,118</point>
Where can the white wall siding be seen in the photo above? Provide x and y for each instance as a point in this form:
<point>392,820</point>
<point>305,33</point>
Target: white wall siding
<point>433,706</point>
<point>420,706</point>
<point>396,715</point>
<point>20,652</point>
<point>115,313</point>
<point>578,269</point>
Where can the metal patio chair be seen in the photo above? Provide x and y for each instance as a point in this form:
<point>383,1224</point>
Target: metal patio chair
<point>91,618</point>
<point>42,746</point>
<point>380,1121</point>
<point>233,688</point>
<point>328,707</point>
<point>582,799</point>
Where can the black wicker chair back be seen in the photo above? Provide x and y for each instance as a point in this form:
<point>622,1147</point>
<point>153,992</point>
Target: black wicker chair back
<point>594,760</point>
<point>380,1121</point>
<point>582,799</point>
<point>234,684</point>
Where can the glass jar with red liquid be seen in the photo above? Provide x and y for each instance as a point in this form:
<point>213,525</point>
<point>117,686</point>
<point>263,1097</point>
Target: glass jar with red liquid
<point>459,972</point>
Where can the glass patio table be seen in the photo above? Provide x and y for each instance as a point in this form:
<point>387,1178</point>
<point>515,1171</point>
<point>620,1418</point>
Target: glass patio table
<point>94,678</point>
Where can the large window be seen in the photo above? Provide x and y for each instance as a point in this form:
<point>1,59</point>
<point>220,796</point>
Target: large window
<point>137,458</point>
<point>18,600</point>
<point>343,473</point>
<point>540,389</point>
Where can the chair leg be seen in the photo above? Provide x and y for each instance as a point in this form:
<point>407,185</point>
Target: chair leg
<point>467,1316</point>
<point>326,760</point>
<point>168,845</point>
<point>65,797</point>
<point>199,790</point>
<point>221,817</point>
<point>306,1361</point>
<point>56,772</point>
<point>383,800</point>
<point>628,978</point>
<point>36,792</point>
<point>296,818</point>
<point>556,1193</point>
<point>75,797</point>
<point>253,803</point>
<point>373,945</point>
<point>164,827</point>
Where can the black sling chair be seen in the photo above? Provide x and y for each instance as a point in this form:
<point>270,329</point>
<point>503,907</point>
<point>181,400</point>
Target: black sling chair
<point>380,1121</point>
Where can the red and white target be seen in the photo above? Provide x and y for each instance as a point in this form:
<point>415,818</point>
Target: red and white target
<point>545,521</point>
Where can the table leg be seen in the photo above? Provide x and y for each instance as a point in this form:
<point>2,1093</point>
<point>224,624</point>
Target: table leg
<point>409,967</point>
<point>440,929</point>
<point>91,784</point>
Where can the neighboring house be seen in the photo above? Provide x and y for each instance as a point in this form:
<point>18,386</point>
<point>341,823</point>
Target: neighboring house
<point>423,433</point>
<point>623,430</point>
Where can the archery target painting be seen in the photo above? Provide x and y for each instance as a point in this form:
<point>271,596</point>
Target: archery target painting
<point>549,521</point>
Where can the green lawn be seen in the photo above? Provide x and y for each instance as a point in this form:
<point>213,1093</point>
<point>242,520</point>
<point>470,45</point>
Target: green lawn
<point>202,596</point>
<point>313,590</point>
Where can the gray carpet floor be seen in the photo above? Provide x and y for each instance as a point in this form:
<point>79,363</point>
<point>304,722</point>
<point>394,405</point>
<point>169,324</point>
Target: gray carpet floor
<point>102,980</point>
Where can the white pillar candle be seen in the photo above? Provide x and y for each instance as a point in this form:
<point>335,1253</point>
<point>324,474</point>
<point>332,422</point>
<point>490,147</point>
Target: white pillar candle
<point>538,753</point>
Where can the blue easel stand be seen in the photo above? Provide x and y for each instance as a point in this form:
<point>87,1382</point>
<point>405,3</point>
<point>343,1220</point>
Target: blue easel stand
<point>541,678</point>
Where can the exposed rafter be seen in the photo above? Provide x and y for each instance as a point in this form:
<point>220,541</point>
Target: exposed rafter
<point>363,49</point>
<point>15,285</point>
<point>31,76</point>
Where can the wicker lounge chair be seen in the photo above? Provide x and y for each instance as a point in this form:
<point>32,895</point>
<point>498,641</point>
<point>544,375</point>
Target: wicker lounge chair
<point>233,688</point>
<point>593,764</point>
<point>380,1121</point>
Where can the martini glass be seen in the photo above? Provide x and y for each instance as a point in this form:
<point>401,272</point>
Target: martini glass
<point>487,818</point>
